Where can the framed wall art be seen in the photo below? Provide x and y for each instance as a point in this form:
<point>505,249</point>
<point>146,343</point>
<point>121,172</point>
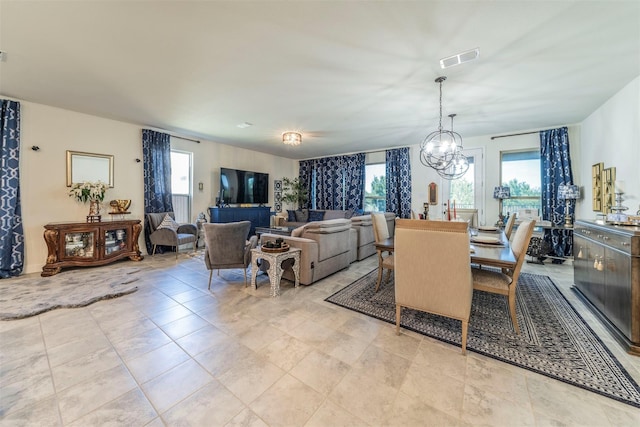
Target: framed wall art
<point>608,189</point>
<point>89,167</point>
<point>596,186</point>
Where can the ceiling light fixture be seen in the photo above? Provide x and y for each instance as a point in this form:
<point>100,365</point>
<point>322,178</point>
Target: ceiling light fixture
<point>292,138</point>
<point>459,164</point>
<point>442,149</point>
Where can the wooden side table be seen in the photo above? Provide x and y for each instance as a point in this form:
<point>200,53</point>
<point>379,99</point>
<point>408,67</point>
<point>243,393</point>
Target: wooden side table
<point>275,267</point>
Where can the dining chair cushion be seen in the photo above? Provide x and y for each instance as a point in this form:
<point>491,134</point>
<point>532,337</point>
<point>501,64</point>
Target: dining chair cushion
<point>491,279</point>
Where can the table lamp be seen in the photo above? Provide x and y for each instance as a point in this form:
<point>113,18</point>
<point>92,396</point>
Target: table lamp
<point>501,192</point>
<point>568,192</point>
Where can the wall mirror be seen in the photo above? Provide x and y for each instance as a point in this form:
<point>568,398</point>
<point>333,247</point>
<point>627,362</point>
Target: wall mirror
<point>89,167</point>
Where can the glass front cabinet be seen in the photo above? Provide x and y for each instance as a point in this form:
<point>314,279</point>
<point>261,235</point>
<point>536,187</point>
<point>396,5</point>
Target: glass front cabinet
<point>90,244</point>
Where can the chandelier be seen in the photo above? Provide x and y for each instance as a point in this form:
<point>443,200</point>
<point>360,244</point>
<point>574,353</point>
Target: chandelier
<point>292,138</point>
<point>442,149</point>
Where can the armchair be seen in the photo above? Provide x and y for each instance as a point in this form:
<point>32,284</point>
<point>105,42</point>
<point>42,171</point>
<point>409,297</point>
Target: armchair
<point>433,271</point>
<point>226,246</point>
<point>164,231</point>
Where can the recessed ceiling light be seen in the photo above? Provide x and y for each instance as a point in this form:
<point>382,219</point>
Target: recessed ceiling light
<point>245,125</point>
<point>460,58</point>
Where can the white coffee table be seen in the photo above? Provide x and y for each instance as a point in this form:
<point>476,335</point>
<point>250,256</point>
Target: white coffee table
<point>275,267</point>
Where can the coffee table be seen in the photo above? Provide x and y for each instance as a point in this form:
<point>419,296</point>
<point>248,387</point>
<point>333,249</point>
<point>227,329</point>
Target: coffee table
<point>275,267</point>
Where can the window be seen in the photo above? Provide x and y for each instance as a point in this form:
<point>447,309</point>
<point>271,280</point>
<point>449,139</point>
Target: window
<point>463,189</point>
<point>181,185</point>
<point>520,171</point>
<point>375,190</point>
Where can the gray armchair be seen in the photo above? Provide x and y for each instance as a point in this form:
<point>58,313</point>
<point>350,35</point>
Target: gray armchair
<point>181,234</point>
<point>226,246</point>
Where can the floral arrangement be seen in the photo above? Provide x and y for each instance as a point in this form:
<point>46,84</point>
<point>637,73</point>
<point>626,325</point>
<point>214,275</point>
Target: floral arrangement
<point>83,191</point>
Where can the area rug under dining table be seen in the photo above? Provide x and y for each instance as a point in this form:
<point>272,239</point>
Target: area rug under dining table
<point>554,341</point>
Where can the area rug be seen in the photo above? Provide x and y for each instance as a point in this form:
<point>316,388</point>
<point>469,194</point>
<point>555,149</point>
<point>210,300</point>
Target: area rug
<point>30,295</point>
<point>554,340</point>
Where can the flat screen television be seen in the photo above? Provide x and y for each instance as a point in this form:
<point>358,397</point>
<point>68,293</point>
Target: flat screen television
<point>238,186</point>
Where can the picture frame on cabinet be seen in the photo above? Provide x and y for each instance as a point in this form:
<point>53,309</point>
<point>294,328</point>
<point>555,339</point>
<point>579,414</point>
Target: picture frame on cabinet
<point>608,189</point>
<point>596,187</point>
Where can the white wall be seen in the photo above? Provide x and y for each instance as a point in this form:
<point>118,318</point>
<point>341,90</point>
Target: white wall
<point>43,173</point>
<point>611,134</point>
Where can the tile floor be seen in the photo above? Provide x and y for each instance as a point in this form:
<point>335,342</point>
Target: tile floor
<point>173,353</point>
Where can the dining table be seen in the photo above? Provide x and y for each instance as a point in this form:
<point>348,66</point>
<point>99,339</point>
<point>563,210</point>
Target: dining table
<point>489,254</point>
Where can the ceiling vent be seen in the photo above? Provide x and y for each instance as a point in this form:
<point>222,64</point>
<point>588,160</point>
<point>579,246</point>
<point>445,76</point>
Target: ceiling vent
<point>460,58</point>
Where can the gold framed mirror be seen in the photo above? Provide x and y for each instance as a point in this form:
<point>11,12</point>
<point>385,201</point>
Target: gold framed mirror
<point>89,167</point>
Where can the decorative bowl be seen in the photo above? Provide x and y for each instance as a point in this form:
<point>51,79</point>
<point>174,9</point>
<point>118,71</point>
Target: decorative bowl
<point>120,205</point>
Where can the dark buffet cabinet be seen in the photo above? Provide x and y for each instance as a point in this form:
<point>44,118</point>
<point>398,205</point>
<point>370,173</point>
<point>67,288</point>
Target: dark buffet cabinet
<point>77,244</point>
<point>259,216</point>
<point>607,273</point>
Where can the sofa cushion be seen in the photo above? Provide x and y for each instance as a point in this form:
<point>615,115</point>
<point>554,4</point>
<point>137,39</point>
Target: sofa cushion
<point>361,220</point>
<point>316,215</point>
<point>335,214</point>
<point>302,215</point>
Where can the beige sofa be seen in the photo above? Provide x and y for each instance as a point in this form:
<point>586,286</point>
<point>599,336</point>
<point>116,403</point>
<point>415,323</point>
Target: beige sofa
<point>365,239</point>
<point>327,247</point>
<point>302,216</point>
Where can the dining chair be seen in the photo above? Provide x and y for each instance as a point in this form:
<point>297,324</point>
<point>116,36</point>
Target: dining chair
<point>505,282</point>
<point>469,215</point>
<point>509,227</point>
<point>433,271</point>
<point>227,245</point>
<point>380,233</point>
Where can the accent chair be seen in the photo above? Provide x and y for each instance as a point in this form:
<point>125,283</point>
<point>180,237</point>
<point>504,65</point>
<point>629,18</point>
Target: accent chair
<point>433,271</point>
<point>164,231</point>
<point>227,245</point>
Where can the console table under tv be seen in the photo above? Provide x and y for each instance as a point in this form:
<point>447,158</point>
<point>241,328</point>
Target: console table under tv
<point>259,216</point>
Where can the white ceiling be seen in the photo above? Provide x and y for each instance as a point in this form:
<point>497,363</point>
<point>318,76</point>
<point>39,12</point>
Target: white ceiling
<point>350,75</point>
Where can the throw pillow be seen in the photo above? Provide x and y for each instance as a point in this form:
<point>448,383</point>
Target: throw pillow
<point>169,223</point>
<point>316,215</point>
<point>302,216</point>
<point>291,215</point>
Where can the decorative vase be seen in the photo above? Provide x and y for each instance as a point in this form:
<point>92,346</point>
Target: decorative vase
<point>94,208</point>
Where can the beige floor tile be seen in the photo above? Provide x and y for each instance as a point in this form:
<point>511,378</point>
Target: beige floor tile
<point>343,347</point>
<point>36,364</point>
<point>246,418</point>
<point>288,402</point>
<point>21,342</point>
<point>25,392</point>
<point>259,336</point>
<point>84,368</point>
<point>249,379</point>
<point>130,409</point>
<point>320,371</point>
<point>481,406</point>
<point>201,340</point>
<point>383,366</point>
<point>82,398</point>
<point>149,365</point>
<point>41,413</point>
<point>169,315</point>
<point>285,352</point>
<point>169,388</point>
<point>367,399</point>
<point>142,343</point>
<point>226,354</point>
<point>330,414</point>
<point>405,345</point>
<point>493,376</point>
<point>447,358</point>
<point>312,333</point>
<point>212,405</point>
<point>184,326</point>
<point>409,411</point>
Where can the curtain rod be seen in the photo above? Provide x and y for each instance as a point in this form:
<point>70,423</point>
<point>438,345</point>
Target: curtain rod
<point>514,134</point>
<point>173,134</point>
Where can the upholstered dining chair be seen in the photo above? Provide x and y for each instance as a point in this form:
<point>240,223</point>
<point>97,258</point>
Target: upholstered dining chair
<point>227,245</point>
<point>508,228</point>
<point>165,231</point>
<point>469,215</point>
<point>505,282</point>
<point>433,271</point>
<point>385,258</point>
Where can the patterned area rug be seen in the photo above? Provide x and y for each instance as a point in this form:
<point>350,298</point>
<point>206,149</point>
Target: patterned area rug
<point>554,340</point>
<point>30,295</point>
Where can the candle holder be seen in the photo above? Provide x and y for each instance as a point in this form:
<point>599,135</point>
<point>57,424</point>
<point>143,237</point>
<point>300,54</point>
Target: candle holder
<point>425,206</point>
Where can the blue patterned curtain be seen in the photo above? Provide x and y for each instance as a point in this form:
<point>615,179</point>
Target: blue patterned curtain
<point>556,170</point>
<point>305,175</point>
<point>11,235</point>
<point>398,171</point>
<point>354,176</point>
<point>156,154</point>
<point>329,183</point>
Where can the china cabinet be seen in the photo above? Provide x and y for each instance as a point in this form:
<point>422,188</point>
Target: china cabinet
<point>78,244</point>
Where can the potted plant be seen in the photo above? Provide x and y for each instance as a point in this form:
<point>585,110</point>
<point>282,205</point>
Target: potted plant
<point>293,192</point>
